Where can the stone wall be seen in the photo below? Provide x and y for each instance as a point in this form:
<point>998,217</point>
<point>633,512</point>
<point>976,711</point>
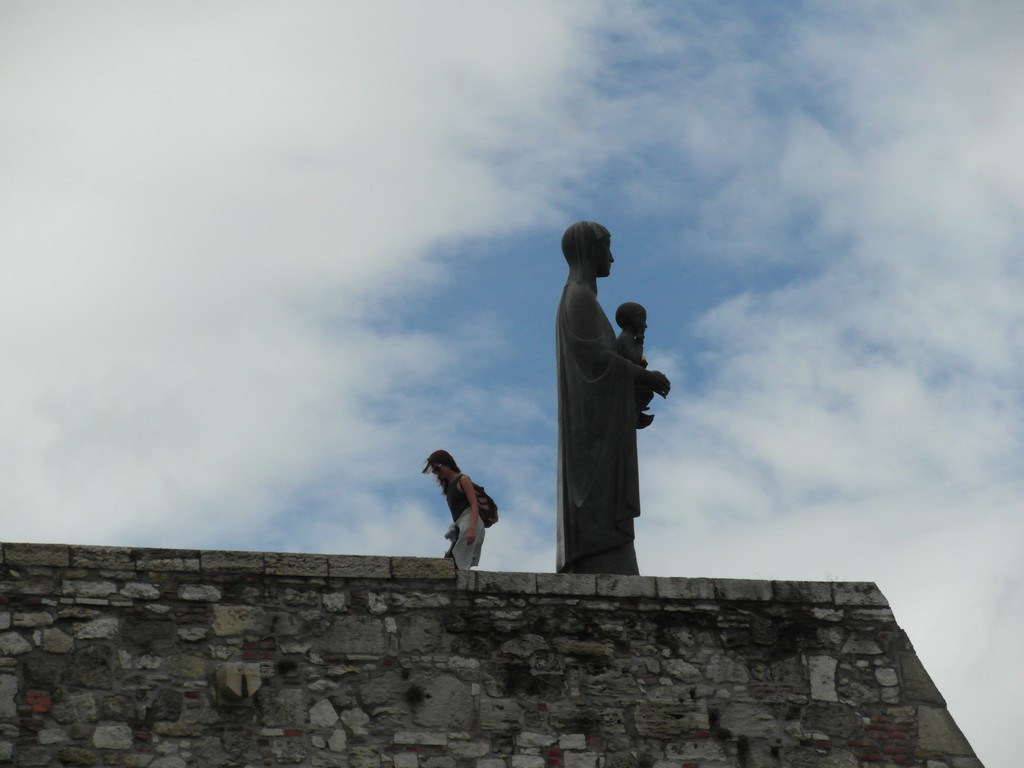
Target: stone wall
<point>111,656</point>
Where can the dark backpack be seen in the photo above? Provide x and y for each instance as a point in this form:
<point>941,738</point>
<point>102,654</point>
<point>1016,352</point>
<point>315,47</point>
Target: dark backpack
<point>488,506</point>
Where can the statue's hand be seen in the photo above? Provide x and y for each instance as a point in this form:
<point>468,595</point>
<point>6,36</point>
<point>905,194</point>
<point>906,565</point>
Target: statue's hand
<point>660,383</point>
<point>656,380</point>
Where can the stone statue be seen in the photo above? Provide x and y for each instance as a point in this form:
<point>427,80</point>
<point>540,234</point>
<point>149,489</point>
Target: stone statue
<point>598,484</point>
<point>632,319</point>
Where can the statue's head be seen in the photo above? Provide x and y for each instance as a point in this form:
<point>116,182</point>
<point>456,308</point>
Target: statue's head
<point>586,246</point>
<point>631,316</point>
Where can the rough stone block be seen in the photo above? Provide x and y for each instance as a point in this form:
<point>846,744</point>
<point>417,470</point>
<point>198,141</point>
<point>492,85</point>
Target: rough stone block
<point>875,615</point>
<point>572,646</point>
<point>833,759</point>
<point>32,619</point>
<point>858,593</point>
<point>839,720</point>
<point>701,752</point>
<point>171,761</point>
<point>37,554</point>
<point>8,696</point>
<point>137,590</point>
<point>501,715</point>
<point>199,593</point>
<point>112,737</point>
<point>33,756</point>
<point>363,757</point>
<point>289,564</point>
<point>566,584</point>
<point>676,588</point>
<point>285,707</point>
<point>358,567</point>
<point>803,591</point>
<point>827,614</point>
<point>82,588</point>
<point>938,732</point>
<point>514,583</point>
<point>579,760</point>
<point>422,738</point>
<point>447,705</point>
<point>743,589</point>
<point>338,742</point>
<point>420,634</point>
<point>239,619</point>
<point>229,561</point>
<point>76,708</point>
<point>670,719</point>
<point>102,628</point>
<point>36,587</point>
<point>175,560</point>
<point>752,720</point>
<point>13,644</point>
<point>323,715</point>
<point>422,568</point>
<point>681,670</point>
<point>528,739</point>
<point>104,558</point>
<point>469,749</point>
<point>465,581</point>
<point>861,646</point>
<point>356,635</point>
<point>524,646</point>
<point>56,641</point>
<point>52,736</point>
<point>886,676</point>
<point>822,673</point>
<point>166,705</point>
<point>724,669</point>
<point>917,683</point>
<point>609,585</point>
<point>187,666</point>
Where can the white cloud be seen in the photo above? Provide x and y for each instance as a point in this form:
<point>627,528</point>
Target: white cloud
<point>212,219</point>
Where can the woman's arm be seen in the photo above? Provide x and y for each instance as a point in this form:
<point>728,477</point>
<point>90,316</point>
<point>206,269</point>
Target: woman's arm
<point>474,505</point>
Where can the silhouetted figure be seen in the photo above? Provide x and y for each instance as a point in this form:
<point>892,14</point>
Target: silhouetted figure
<point>598,486</point>
<point>632,319</point>
<point>466,532</point>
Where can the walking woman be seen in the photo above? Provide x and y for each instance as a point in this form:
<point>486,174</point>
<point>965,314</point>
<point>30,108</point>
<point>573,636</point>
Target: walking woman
<point>467,529</point>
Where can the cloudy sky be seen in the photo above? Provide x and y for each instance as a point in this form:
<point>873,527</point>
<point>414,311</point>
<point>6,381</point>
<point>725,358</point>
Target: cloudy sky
<point>259,259</point>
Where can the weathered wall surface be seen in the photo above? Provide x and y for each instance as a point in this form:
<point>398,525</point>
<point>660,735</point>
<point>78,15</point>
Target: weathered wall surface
<point>109,656</point>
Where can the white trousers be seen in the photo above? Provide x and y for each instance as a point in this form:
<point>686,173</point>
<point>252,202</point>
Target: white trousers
<point>467,555</point>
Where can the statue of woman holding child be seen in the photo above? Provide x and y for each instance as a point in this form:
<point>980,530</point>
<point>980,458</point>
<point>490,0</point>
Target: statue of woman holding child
<point>598,483</point>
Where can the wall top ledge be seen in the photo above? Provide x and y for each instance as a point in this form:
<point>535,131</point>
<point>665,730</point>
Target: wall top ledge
<point>660,588</point>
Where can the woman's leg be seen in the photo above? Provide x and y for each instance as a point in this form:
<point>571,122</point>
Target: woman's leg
<point>467,555</point>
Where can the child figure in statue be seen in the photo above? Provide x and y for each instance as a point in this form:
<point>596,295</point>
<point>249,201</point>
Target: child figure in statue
<point>632,319</point>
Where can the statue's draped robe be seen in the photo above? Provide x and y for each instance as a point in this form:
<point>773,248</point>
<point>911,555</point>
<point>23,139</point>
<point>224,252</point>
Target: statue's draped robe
<point>598,486</point>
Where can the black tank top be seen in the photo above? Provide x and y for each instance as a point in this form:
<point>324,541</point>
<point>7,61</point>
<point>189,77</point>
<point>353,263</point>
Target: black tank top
<point>457,501</point>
